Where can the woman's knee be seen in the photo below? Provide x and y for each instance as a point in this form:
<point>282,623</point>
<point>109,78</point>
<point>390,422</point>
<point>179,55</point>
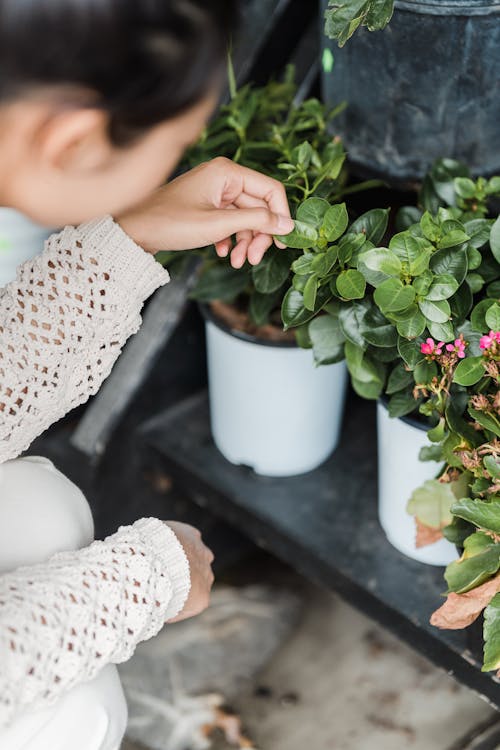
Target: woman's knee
<point>41,512</point>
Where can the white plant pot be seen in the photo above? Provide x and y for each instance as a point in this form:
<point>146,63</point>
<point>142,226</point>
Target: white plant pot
<point>271,408</point>
<point>20,240</point>
<point>400,472</point>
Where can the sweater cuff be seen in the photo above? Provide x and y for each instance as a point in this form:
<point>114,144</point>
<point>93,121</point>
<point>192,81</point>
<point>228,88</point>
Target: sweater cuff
<point>126,261</point>
<point>162,540</point>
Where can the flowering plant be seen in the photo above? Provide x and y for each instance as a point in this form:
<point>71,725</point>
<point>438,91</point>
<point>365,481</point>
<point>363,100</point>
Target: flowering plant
<point>464,502</point>
<point>378,304</point>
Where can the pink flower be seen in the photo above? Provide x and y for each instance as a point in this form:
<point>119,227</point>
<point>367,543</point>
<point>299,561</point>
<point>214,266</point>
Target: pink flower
<point>487,340</point>
<point>430,348</point>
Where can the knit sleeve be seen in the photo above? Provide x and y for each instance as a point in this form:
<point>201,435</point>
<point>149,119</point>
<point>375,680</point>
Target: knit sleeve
<point>63,323</point>
<point>63,620</point>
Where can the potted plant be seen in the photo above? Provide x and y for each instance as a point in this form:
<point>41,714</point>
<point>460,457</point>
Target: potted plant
<point>421,88</point>
<point>271,408</point>
<point>381,305</point>
<point>465,393</point>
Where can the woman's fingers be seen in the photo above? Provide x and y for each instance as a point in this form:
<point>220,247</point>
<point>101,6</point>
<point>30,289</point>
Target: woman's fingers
<point>223,247</point>
<point>258,248</point>
<point>244,200</point>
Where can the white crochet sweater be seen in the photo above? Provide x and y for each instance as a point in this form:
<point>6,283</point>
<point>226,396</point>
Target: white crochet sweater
<point>63,323</point>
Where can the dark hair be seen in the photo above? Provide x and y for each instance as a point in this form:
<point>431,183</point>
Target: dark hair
<point>145,60</point>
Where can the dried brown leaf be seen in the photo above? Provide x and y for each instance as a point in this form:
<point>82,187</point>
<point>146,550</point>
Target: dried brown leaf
<point>460,610</point>
<point>426,534</point>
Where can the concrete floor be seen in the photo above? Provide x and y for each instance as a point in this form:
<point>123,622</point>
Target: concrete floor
<point>343,683</point>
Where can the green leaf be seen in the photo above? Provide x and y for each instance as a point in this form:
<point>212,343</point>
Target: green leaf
<point>399,379</point>
<point>272,271</point>
<point>377,330</point>
<point>478,231</point>
<point>421,262</point>
<point>414,251</point>
<point>478,315</point>
<point>401,404</point>
<point>322,263</point>
<point>310,292</point>
<point>411,323</point>
<point>393,295</point>
<point>495,240</point>
<point>364,370</point>
<point>379,14</point>
<point>424,372</point>
<point>441,331</point>
<point>469,371</point>
<point>327,339</point>
<point>481,560</point>
<point>492,635</point>
<point>492,317</point>
<point>431,453</point>
<point>351,320</point>
<point>422,283</point>
<point>302,237</point>
<point>302,336</point>
<point>312,211</point>
<point>343,18</point>
<point>302,266</point>
<point>486,420</point>
<point>482,514</point>
<point>382,259</point>
<point>461,303</point>
<point>351,284</point>
<point>443,175</point>
<point>475,282</point>
<point>493,290</point>
<point>373,224</point>
<point>437,312</point>
<point>450,262</point>
<point>492,465</point>
<point>293,310</point>
<point>474,257</point>
<point>410,351</point>
<point>335,222</point>
<point>406,217</point>
<point>430,227</point>
<point>220,282</point>
<point>431,504</point>
<point>465,187</point>
<point>443,287</point>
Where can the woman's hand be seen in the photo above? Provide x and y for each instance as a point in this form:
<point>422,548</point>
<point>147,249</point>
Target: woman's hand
<point>200,559</point>
<point>208,205</point>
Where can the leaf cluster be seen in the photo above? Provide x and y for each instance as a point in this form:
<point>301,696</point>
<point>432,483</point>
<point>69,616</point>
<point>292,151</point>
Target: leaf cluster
<point>353,295</point>
<point>343,17</point>
<point>265,129</point>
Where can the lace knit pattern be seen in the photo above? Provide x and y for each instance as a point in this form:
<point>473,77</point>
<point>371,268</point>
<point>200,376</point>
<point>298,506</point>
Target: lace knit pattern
<point>63,620</point>
<point>63,323</point>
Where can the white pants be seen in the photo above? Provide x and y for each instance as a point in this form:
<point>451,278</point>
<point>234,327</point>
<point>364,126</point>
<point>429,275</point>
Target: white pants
<point>42,512</point>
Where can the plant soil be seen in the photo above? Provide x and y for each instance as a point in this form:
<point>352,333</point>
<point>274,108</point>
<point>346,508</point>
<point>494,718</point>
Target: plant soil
<point>239,320</point>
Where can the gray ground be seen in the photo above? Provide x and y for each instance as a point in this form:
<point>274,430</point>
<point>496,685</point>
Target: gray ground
<point>342,683</point>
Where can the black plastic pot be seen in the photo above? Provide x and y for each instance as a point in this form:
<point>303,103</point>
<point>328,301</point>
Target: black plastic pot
<point>427,86</point>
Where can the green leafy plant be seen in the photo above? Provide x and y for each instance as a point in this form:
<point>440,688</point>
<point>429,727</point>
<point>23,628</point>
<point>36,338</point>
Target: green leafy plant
<point>343,17</point>
<point>264,129</point>
<point>353,296</point>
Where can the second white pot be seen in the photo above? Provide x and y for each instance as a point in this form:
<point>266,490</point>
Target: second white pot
<point>271,408</point>
<point>400,472</point>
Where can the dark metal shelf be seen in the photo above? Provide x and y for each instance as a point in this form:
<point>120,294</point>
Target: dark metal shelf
<point>324,524</point>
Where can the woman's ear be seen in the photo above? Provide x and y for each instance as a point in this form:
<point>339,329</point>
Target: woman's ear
<point>75,141</point>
